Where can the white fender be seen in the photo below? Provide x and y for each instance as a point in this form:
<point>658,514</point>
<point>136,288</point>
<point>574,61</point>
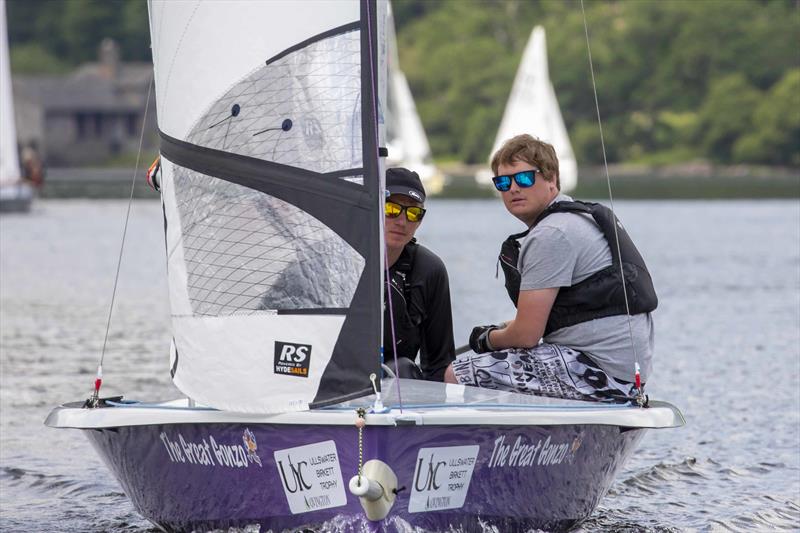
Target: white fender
<point>375,489</point>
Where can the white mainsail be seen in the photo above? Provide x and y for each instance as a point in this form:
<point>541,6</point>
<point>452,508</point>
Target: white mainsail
<point>10,173</point>
<point>533,108</point>
<point>271,194</point>
<point>406,141</point>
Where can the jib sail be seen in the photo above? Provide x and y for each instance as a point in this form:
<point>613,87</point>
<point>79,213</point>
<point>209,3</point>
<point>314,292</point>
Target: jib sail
<point>272,194</point>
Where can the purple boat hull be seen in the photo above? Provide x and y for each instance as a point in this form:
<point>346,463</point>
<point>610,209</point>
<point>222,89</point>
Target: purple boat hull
<point>186,477</point>
<point>452,457</point>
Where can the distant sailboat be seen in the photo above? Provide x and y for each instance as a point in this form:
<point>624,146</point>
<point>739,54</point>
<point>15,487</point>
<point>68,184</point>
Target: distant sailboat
<point>406,140</point>
<point>15,194</point>
<point>532,108</point>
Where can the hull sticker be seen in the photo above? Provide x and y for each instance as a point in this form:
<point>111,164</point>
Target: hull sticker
<point>311,477</point>
<point>212,452</point>
<point>522,453</point>
<point>442,477</point>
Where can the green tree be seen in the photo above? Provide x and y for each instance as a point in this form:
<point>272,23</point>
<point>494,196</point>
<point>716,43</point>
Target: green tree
<point>727,114</point>
<point>85,23</point>
<point>32,58</point>
<point>37,22</point>
<point>134,36</point>
<point>460,60</point>
<point>775,135</point>
<point>70,31</point>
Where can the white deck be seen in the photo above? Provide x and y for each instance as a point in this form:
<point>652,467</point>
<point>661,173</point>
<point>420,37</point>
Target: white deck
<point>424,403</point>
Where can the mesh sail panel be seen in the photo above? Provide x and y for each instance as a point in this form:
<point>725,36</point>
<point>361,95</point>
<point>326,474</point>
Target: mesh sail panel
<point>247,252</point>
<point>317,88</point>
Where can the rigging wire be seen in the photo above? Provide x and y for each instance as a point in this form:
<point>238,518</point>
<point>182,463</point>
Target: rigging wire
<point>99,379</point>
<point>611,201</point>
<point>381,199</point>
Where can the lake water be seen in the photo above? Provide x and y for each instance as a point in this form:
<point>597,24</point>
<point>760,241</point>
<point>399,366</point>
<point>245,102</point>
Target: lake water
<point>727,354</point>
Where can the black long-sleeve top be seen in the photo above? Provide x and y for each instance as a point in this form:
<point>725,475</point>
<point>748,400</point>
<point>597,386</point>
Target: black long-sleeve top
<point>425,324</point>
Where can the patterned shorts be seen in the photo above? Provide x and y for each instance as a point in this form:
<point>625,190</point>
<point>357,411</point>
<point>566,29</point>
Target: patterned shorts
<point>546,369</point>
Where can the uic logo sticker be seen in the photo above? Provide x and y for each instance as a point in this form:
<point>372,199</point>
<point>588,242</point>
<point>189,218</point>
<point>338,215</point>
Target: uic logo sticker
<point>442,477</point>
<point>311,477</point>
<point>292,359</point>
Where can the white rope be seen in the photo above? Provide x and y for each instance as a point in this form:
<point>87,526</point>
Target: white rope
<point>608,182</point>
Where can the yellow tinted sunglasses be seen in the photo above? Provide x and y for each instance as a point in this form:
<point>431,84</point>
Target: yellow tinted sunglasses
<point>413,213</point>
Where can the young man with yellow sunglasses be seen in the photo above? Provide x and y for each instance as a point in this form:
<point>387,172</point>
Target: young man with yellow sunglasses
<point>420,317</point>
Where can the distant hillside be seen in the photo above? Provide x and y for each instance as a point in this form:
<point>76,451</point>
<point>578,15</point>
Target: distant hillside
<point>677,81</point>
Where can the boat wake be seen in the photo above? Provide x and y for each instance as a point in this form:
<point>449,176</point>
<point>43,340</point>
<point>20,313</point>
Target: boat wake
<point>92,506</point>
<point>784,517</point>
<point>620,522</point>
<point>737,508</point>
<point>52,485</point>
<point>344,524</point>
<point>651,480</point>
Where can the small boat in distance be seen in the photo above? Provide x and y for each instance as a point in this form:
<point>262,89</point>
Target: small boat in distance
<point>406,141</point>
<point>16,194</point>
<point>533,108</point>
<point>273,195</point>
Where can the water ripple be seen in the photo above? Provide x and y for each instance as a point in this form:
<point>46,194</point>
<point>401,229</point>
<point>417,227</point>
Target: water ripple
<point>55,484</point>
<point>727,354</point>
<point>784,516</point>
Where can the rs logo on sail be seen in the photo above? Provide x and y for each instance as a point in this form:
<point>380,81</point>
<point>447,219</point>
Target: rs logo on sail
<point>292,359</point>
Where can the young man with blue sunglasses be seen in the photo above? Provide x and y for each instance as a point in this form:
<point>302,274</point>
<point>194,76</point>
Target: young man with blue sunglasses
<point>420,318</point>
<point>572,336</point>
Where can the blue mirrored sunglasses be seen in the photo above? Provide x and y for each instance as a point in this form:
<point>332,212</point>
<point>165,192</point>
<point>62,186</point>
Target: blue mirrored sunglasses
<point>524,179</point>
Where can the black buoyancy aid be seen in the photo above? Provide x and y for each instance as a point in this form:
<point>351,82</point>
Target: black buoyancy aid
<point>407,317</point>
<point>601,294</point>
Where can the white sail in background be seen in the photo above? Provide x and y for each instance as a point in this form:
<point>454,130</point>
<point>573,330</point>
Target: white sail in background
<point>9,158</point>
<point>533,108</point>
<point>272,198</point>
<point>405,137</point>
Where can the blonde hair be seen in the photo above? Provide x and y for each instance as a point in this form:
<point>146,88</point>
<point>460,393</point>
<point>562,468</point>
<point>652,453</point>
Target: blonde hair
<point>530,150</point>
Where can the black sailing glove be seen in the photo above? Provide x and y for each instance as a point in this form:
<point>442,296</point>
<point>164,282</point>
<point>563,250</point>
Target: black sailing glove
<point>479,339</point>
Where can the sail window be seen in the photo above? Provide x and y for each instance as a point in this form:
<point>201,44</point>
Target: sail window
<point>301,110</point>
<point>248,252</point>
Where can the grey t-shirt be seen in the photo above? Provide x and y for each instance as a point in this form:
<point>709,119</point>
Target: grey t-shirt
<point>564,249</point>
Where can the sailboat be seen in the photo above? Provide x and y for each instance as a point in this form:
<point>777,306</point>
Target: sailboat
<point>406,142</point>
<point>15,194</point>
<point>272,185</point>
<point>533,108</point>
